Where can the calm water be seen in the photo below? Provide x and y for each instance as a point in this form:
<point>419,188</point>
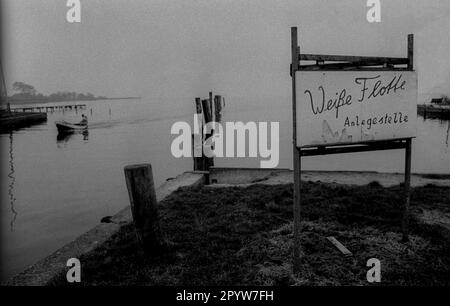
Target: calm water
<point>53,190</point>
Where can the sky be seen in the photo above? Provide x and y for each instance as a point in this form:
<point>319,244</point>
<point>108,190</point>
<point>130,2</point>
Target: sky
<point>174,48</point>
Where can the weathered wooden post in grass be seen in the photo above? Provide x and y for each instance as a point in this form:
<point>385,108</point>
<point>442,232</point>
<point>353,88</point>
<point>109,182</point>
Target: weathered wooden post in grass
<point>371,106</point>
<point>144,207</point>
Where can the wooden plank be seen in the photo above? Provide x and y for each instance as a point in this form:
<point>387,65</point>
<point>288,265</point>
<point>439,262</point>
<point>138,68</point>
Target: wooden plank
<point>339,246</point>
<point>352,66</point>
<point>391,145</point>
<point>350,58</point>
<point>144,207</point>
<point>368,142</point>
<point>295,49</point>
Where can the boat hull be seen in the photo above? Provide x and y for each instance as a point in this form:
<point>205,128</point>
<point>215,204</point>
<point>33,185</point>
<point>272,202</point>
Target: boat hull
<point>65,127</point>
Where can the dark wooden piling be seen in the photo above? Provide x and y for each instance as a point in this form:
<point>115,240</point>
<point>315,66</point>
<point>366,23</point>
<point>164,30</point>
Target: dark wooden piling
<point>211,106</point>
<point>218,108</point>
<point>198,160</point>
<point>198,105</point>
<point>211,109</point>
<point>206,111</point>
<point>144,207</point>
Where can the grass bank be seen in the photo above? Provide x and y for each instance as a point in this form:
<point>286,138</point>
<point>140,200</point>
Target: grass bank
<point>243,236</point>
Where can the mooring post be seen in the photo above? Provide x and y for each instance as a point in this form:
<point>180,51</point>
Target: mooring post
<point>198,106</point>
<point>296,154</point>
<point>206,111</point>
<point>144,207</point>
<point>211,106</point>
<point>207,162</point>
<point>198,164</point>
<point>410,51</point>
<point>218,108</point>
<point>407,191</point>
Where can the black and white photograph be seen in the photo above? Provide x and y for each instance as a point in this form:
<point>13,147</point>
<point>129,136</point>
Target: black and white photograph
<point>233,146</point>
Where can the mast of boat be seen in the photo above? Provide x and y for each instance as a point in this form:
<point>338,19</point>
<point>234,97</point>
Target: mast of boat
<point>4,91</point>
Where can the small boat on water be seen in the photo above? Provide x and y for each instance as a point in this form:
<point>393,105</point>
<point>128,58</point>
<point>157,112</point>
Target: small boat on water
<point>65,127</point>
<point>439,108</point>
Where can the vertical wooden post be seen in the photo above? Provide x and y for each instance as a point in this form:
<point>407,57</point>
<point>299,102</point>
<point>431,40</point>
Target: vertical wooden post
<point>218,108</point>
<point>198,106</point>
<point>407,191</point>
<point>144,207</point>
<point>296,154</point>
<point>207,162</point>
<point>411,51</point>
<point>198,161</point>
<point>206,111</point>
<point>211,106</point>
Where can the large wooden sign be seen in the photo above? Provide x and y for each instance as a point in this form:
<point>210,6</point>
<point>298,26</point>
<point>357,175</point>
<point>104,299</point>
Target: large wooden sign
<point>347,107</point>
<point>348,104</point>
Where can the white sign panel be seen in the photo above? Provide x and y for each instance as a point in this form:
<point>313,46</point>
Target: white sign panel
<point>345,107</point>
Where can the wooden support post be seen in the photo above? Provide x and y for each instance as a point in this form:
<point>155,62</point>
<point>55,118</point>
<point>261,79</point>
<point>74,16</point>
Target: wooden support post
<point>198,105</point>
<point>405,221</point>
<point>296,155</point>
<point>218,108</point>
<point>144,207</point>
<point>198,161</point>
<point>411,51</point>
<point>211,106</point>
<point>195,159</point>
<point>208,118</point>
<point>206,111</point>
<point>407,196</point>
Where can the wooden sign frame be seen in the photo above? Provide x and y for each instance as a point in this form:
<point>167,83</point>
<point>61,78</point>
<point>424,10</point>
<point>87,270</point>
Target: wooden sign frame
<point>344,63</point>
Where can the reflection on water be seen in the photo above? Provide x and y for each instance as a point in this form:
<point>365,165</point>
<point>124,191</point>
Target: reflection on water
<point>11,182</point>
<point>444,120</point>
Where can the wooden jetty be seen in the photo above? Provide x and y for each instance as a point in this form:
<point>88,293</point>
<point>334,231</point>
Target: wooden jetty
<point>10,121</point>
<point>47,108</point>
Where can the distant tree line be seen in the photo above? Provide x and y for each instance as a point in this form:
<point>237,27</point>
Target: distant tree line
<point>27,93</point>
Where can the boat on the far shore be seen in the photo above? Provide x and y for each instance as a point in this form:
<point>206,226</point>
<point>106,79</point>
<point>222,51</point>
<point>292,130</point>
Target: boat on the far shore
<point>439,108</point>
<point>67,127</point>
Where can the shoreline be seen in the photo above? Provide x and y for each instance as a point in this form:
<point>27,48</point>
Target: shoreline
<point>242,177</point>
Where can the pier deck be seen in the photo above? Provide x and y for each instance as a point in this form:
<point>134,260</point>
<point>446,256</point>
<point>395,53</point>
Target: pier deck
<point>47,108</point>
